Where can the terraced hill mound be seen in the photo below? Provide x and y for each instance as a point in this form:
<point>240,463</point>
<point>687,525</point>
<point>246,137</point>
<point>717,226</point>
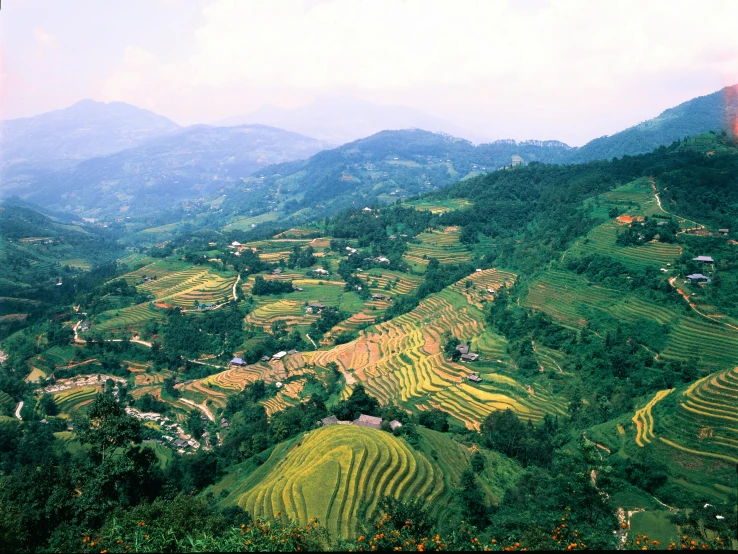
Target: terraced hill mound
<point>340,473</point>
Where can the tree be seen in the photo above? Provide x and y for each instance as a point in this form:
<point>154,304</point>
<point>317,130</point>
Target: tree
<point>48,405</point>
<point>434,419</point>
<point>108,426</point>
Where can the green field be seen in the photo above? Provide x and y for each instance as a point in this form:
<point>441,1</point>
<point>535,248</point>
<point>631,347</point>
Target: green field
<point>439,206</point>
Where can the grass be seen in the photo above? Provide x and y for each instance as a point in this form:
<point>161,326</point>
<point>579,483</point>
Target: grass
<point>655,525</point>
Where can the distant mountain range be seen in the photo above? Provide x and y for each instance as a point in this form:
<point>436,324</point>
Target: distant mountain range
<point>106,160</point>
<point>341,119</point>
<point>62,138</point>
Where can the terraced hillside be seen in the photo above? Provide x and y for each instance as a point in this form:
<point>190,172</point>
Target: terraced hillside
<point>601,240</point>
<point>402,361</point>
<point>338,474</point>
<point>706,421</point>
<point>574,302</point>
<point>443,245</point>
<point>169,282</point>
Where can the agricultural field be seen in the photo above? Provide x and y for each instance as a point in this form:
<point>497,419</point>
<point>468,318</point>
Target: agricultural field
<point>601,240</point>
<point>402,361</point>
<point>338,475</point>
<point>170,282</point>
<point>127,318</point>
<point>6,401</point>
<point>443,245</point>
<point>692,430</point>
<point>439,206</point>
<point>571,300</point>
<point>70,401</point>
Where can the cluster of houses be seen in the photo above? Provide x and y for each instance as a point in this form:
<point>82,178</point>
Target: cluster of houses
<point>370,422</point>
<point>182,443</point>
<point>278,356</point>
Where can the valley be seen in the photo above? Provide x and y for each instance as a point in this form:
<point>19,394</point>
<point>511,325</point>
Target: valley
<point>482,354</point>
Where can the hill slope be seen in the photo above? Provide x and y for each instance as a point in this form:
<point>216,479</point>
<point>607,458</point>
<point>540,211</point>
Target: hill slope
<point>714,112</point>
<point>339,475</point>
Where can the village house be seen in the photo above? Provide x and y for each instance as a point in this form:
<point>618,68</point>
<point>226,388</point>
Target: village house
<point>293,351</point>
<point>470,357</point>
<point>367,209</point>
<point>224,423</point>
<point>265,358</point>
<point>238,362</point>
<point>704,259</point>
<point>377,296</point>
<point>698,277</point>
<point>314,307</point>
<point>474,378</point>
<point>394,424</point>
<point>333,420</point>
<point>723,231</point>
<point>382,260</point>
<point>277,271</point>
<point>462,348</point>
<point>369,421</point>
<point>321,271</point>
<point>235,244</point>
<point>296,288</point>
<point>351,250</point>
<point>279,355</point>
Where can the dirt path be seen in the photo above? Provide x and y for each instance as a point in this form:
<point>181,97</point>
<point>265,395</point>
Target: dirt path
<point>658,201</point>
<point>311,340</point>
<point>672,282</point>
<point>202,407</point>
<point>18,410</point>
<point>238,279</point>
<point>597,444</point>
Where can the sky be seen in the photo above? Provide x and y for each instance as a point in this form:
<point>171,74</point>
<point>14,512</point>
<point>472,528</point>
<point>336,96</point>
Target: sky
<point>569,70</point>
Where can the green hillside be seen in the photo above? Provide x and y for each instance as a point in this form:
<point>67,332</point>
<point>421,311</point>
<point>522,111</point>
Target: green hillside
<point>340,474</point>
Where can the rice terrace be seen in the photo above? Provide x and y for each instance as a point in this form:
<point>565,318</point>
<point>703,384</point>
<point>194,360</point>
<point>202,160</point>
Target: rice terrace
<point>336,295</point>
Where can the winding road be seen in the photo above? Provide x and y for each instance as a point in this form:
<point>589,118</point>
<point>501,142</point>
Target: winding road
<point>18,410</point>
<point>202,407</point>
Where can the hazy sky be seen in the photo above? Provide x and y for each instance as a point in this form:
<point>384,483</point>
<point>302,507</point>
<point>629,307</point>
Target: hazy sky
<point>526,69</point>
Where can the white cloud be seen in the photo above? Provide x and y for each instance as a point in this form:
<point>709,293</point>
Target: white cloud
<point>44,39</point>
<point>556,49</point>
